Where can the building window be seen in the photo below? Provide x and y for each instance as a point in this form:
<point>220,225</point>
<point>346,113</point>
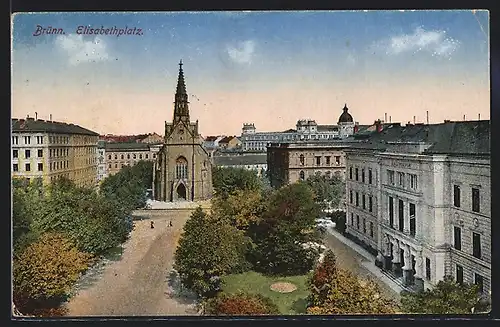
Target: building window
<point>401,179</point>
<point>116,157</point>
<point>413,181</point>
<point>327,160</point>
<point>337,160</point>
<point>457,238</point>
<point>370,176</point>
<point>40,153</point>
<point>428,268</point>
<point>140,156</point>
<point>371,229</point>
<point>116,165</point>
<point>122,157</point>
<point>27,154</point>
<point>459,274</point>
<point>357,199</point>
<point>135,156</point>
<point>352,219</point>
<point>27,140</point>
<point>362,175</point>
<point>15,154</point>
<point>302,160</point>
<point>475,199</point>
<point>456,196</point>
<point>478,280</point>
<point>357,222</point>
<point>476,245</point>
<point>40,166</point>
<point>390,175</point>
<point>401,215</point>
<point>302,175</point>
<point>364,226</point>
<point>39,139</point>
<point>350,196</point>
<point>15,167</point>
<point>350,172</point>
<point>147,156</point>
<point>413,220</point>
<point>109,157</point>
<point>28,167</point>
<point>391,212</point>
<point>181,166</point>
<point>15,140</point>
<point>123,165</point>
<point>318,161</point>
<point>363,198</point>
<point>357,174</point>
<point>370,203</point>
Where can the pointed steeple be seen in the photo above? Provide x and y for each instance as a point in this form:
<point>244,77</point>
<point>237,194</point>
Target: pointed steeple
<point>181,104</point>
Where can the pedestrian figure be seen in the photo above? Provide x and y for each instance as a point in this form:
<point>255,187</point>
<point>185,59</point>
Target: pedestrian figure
<point>152,224</point>
<point>171,223</point>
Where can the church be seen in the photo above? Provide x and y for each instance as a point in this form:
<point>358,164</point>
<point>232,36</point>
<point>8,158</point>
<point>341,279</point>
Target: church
<point>183,169</point>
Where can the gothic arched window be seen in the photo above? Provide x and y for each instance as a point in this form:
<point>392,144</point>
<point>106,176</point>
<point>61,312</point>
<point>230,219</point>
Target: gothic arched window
<point>302,175</point>
<point>301,158</point>
<point>181,168</point>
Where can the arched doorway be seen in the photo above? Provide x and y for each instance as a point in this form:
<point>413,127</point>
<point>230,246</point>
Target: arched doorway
<point>181,192</point>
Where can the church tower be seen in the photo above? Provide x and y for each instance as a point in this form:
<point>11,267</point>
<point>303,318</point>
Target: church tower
<point>181,104</point>
<point>183,169</point>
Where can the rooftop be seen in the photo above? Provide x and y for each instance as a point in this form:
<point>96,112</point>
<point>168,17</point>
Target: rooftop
<point>127,146</point>
<point>40,125</point>
<point>241,160</point>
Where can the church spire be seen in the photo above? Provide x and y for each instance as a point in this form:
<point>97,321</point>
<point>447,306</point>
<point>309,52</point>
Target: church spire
<point>181,109</point>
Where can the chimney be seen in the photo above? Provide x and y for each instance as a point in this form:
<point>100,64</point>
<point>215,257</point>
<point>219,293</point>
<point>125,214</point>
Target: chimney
<point>427,113</point>
<point>478,116</point>
<point>390,119</point>
<point>27,116</point>
<point>50,117</point>
<point>36,115</point>
<point>385,117</point>
<point>464,117</point>
<point>414,120</point>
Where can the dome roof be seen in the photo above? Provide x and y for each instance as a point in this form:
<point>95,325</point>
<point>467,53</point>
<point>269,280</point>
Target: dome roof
<point>345,117</point>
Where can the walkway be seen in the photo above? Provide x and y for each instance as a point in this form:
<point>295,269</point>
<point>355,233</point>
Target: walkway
<point>353,257</point>
<point>140,284</point>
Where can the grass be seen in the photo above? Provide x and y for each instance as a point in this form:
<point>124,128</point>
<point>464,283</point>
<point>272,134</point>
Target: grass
<point>255,283</point>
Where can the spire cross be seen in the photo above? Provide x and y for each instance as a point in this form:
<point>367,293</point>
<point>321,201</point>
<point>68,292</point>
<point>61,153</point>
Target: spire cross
<point>180,64</point>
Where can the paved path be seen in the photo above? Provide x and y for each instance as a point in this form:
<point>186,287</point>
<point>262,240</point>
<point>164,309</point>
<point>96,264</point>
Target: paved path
<point>138,284</point>
<point>353,257</point>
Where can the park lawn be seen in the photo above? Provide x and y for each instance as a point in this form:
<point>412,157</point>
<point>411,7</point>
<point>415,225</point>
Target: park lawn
<point>256,283</point>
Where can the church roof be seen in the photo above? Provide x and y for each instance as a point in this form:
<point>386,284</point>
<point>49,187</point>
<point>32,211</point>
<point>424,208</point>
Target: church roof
<point>345,117</point>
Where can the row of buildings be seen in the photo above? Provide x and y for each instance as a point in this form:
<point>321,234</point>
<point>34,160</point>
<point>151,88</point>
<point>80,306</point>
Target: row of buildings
<point>417,196</point>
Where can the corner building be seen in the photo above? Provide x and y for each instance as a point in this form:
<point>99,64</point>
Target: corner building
<point>183,169</point>
<point>420,197</point>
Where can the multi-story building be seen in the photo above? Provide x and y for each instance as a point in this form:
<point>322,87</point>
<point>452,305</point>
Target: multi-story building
<point>290,162</point>
<point>420,196</point>
<point>49,149</point>
<point>230,142</point>
<point>251,161</point>
<point>306,130</point>
<point>121,154</point>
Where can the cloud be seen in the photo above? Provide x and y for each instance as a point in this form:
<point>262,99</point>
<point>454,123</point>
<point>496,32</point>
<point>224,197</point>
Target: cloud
<point>243,53</point>
<point>433,41</point>
<point>82,51</point>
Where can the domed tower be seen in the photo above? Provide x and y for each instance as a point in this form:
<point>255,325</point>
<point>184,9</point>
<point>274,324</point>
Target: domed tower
<point>346,123</point>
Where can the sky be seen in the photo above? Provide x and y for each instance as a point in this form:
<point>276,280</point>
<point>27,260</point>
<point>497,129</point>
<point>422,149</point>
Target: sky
<point>267,68</point>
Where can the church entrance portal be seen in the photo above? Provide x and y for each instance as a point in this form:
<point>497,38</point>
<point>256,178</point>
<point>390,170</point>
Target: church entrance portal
<point>181,192</point>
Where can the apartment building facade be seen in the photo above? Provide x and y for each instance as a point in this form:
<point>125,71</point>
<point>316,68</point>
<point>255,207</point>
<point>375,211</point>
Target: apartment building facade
<point>121,154</point>
<point>430,201</point>
<point>290,162</point>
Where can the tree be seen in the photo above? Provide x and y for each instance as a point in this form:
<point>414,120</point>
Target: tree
<point>447,297</point>
<point>241,208</point>
<point>46,270</point>
<point>287,224</point>
<point>208,249</point>
<point>240,304</point>
<point>337,291</point>
<point>228,180</point>
<point>327,189</point>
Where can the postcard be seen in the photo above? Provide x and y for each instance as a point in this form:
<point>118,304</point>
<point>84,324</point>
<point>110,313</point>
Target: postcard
<point>250,163</point>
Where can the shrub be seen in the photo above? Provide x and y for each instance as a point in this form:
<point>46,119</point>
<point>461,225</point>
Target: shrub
<point>241,304</point>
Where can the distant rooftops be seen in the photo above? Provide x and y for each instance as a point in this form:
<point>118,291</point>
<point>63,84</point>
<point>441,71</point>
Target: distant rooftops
<point>126,146</point>
<point>39,125</point>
